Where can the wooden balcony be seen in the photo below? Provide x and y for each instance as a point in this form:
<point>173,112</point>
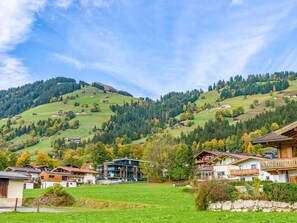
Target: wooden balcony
<point>279,164</point>
<point>246,172</point>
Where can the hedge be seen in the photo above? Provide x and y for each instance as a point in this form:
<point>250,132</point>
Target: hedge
<point>281,192</point>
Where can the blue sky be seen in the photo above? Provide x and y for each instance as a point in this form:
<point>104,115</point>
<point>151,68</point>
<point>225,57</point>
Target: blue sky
<point>146,47</point>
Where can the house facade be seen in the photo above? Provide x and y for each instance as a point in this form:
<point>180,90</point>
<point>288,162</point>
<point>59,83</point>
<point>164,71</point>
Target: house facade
<point>250,168</point>
<point>48,179</point>
<point>81,176</point>
<point>204,170</point>
<point>124,169</point>
<point>11,188</point>
<point>222,165</point>
<point>285,140</point>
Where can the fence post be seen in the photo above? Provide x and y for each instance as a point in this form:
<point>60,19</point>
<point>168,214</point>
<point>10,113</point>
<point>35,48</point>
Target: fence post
<point>16,204</point>
<point>38,205</point>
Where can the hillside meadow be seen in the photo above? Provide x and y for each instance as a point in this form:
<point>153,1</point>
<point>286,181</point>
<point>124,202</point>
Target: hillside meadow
<point>211,96</point>
<point>86,96</point>
<point>156,203</point>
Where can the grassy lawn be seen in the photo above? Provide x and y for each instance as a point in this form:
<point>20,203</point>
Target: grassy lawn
<point>167,204</point>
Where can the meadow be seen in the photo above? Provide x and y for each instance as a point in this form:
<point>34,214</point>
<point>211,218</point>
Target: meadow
<point>160,203</point>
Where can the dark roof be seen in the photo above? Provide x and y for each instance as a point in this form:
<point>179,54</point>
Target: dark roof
<point>13,175</point>
<point>270,137</point>
<point>24,169</point>
<point>209,151</point>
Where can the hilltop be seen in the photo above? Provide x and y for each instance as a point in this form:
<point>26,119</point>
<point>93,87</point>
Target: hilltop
<point>97,112</point>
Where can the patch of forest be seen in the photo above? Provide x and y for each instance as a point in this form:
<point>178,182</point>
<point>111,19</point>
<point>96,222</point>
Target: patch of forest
<point>253,84</point>
<point>137,119</point>
<point>16,100</point>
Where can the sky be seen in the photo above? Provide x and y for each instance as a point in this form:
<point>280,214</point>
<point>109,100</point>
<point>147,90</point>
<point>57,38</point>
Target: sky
<point>147,47</point>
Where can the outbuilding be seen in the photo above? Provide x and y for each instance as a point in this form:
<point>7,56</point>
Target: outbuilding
<point>11,188</point>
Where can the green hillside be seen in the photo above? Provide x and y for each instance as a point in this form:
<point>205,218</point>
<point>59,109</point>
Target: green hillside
<point>85,96</point>
<point>211,97</point>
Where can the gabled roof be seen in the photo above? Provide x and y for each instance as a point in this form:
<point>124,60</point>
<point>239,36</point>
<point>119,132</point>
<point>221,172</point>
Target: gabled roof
<point>248,158</point>
<point>209,151</point>
<point>232,155</point>
<point>271,137</point>
<point>22,169</point>
<point>75,170</point>
<point>286,133</point>
<point>13,175</point>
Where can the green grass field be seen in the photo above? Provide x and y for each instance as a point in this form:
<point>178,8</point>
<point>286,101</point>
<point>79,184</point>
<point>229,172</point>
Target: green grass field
<point>166,204</point>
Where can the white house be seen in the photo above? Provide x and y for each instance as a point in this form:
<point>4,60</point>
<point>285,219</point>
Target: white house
<point>249,168</point>
<point>222,165</point>
<point>49,179</point>
<point>11,188</point>
<point>79,175</point>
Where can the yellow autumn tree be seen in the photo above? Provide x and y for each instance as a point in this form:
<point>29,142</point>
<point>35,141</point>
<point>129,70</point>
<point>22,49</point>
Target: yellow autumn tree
<point>24,159</point>
<point>42,159</point>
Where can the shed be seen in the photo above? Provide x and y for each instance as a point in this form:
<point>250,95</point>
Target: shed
<point>11,187</point>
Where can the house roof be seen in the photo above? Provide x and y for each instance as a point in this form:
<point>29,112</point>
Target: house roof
<point>13,175</point>
<point>227,154</point>
<point>74,169</point>
<point>208,151</point>
<point>271,137</point>
<point>126,158</point>
<point>248,158</point>
<point>56,173</point>
<point>22,169</point>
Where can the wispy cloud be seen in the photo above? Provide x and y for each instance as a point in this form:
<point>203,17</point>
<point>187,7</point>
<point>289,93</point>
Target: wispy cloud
<point>62,3</point>
<point>162,54</point>
<point>237,2</point>
<point>16,20</point>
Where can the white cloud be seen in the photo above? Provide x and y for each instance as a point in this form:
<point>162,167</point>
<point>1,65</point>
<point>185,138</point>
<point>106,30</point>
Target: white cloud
<point>237,2</point>
<point>12,72</point>
<point>95,3</point>
<point>63,3</point>
<point>16,20</point>
<point>195,51</point>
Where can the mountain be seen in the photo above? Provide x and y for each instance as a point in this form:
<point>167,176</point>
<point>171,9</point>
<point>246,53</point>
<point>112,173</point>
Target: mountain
<point>16,100</point>
<point>82,114</point>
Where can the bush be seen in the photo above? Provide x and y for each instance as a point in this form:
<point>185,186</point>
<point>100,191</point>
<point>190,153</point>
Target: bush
<point>202,199</point>
<point>223,192</point>
<point>281,192</point>
<point>55,196</point>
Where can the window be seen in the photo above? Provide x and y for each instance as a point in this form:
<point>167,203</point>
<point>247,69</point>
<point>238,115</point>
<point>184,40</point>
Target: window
<point>221,173</point>
<point>51,176</point>
<point>64,177</point>
<point>242,179</point>
<point>42,177</point>
<point>267,178</point>
<point>254,166</point>
<point>240,167</point>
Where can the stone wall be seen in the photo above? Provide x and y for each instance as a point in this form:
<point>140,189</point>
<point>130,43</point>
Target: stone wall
<point>253,205</point>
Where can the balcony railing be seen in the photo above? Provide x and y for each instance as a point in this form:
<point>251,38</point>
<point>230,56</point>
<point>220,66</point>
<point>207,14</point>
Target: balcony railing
<point>246,172</point>
<point>279,164</point>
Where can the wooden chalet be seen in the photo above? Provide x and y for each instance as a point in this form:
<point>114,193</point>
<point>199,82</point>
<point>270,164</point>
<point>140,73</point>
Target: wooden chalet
<point>80,175</point>
<point>203,167</point>
<point>285,140</point>
<point>48,179</point>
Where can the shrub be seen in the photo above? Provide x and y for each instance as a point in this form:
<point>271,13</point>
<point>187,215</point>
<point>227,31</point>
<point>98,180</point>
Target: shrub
<point>256,184</point>
<point>204,190</point>
<point>55,196</point>
<point>281,192</point>
<point>222,192</point>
